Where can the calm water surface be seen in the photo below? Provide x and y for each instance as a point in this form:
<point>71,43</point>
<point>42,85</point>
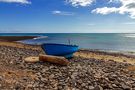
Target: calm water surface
<point>115,41</point>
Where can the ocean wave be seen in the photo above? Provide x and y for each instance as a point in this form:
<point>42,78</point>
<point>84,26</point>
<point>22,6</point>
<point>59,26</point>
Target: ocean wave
<point>41,37</point>
<point>130,35</point>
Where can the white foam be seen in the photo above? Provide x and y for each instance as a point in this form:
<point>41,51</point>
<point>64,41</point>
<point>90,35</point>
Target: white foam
<point>41,37</point>
<point>130,35</point>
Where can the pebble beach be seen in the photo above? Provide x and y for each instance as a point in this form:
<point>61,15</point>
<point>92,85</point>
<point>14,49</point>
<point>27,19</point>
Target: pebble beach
<point>88,70</point>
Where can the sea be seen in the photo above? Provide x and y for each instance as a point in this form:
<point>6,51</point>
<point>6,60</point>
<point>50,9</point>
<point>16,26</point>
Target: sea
<point>95,41</point>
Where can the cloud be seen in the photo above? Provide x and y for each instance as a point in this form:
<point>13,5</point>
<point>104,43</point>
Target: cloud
<point>113,1</point>
<point>63,13</point>
<point>105,10</point>
<point>82,3</point>
<point>127,7</point>
<point>132,5</point>
<point>16,1</point>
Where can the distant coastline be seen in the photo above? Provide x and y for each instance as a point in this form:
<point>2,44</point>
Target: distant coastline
<point>16,38</point>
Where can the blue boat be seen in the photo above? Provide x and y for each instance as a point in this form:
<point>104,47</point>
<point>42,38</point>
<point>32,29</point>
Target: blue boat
<point>60,49</point>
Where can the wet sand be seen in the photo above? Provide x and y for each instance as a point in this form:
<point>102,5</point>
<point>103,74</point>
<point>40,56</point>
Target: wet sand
<point>88,70</point>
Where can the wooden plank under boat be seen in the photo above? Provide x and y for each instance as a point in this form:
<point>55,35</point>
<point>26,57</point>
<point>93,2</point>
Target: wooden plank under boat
<point>47,58</point>
<point>54,59</point>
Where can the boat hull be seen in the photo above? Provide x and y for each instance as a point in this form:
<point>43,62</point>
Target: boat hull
<point>60,49</point>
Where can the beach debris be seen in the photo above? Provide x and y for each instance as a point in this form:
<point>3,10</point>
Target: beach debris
<point>47,58</point>
<point>31,59</point>
<point>131,68</point>
<point>54,59</point>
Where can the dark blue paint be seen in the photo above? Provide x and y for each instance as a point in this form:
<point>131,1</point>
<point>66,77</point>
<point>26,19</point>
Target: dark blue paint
<point>60,49</point>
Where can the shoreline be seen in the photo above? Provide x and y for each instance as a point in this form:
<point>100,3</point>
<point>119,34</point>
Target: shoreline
<point>124,57</point>
<point>111,52</point>
<point>19,38</point>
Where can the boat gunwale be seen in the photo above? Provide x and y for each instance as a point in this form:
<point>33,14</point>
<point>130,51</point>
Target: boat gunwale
<point>59,44</point>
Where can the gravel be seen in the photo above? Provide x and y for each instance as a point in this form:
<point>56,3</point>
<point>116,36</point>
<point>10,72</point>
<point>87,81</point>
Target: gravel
<point>80,74</point>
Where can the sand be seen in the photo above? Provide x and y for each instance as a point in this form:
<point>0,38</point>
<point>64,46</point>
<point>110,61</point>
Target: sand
<point>100,55</point>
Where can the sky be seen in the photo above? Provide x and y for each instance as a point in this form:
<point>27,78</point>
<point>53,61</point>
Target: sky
<point>67,16</point>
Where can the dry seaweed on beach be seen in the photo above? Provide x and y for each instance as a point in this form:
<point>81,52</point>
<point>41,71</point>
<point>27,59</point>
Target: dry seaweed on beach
<point>81,73</point>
